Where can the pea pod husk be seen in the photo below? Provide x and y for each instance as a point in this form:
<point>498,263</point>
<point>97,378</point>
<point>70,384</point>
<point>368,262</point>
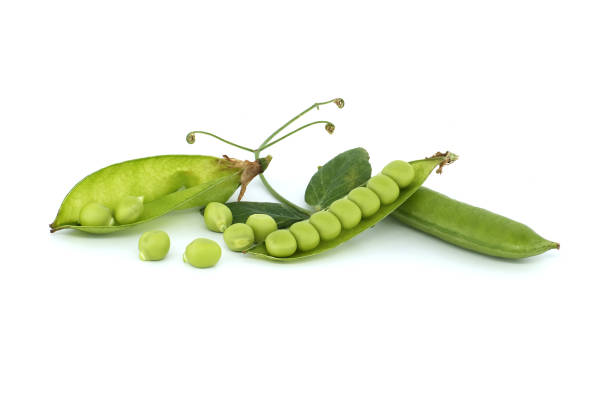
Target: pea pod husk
<point>422,170</point>
<point>167,183</point>
<point>470,227</point>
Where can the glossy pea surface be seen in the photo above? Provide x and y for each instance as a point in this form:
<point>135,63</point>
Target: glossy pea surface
<point>96,214</point>
<point>347,212</point>
<point>327,224</point>
<point>366,200</point>
<point>129,209</point>
<point>202,253</point>
<point>386,189</point>
<point>305,234</point>
<point>153,245</point>
<point>217,217</point>
<point>401,172</point>
<point>281,243</point>
<point>239,237</point>
<point>262,225</point>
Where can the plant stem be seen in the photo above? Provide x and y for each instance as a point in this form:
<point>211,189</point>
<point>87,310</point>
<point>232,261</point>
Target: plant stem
<point>281,198</point>
<point>191,140</point>
<point>328,125</point>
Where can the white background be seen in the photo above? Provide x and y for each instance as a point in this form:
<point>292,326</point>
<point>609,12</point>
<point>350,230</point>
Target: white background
<point>521,90</point>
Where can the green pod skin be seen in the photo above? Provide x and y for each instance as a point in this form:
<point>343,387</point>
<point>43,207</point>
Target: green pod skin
<point>384,186</point>
<point>470,227</point>
<point>327,224</point>
<point>281,243</point>
<point>305,234</point>
<point>347,212</point>
<point>166,183</point>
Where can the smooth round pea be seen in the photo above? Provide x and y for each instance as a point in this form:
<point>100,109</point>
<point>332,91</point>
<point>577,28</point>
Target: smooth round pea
<point>153,245</point>
<point>305,234</point>
<point>217,217</point>
<point>347,212</point>
<point>262,225</point>
<point>129,209</point>
<point>96,214</point>
<point>281,243</point>
<point>202,253</point>
<point>239,237</point>
<point>399,171</point>
<point>384,186</point>
<point>366,200</point>
<point>327,224</point>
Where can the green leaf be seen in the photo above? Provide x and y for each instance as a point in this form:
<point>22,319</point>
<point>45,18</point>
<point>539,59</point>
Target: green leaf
<point>338,177</point>
<point>422,170</point>
<point>284,215</point>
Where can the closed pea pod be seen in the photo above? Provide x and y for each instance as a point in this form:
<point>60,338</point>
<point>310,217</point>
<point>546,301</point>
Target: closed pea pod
<point>347,212</point>
<point>470,227</point>
<point>384,186</point>
<point>366,200</point>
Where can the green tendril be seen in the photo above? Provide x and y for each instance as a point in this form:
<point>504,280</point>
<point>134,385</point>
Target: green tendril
<point>191,140</point>
<point>329,126</point>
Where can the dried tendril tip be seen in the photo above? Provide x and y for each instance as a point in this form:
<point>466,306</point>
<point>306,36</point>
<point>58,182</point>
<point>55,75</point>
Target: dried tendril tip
<point>191,138</point>
<point>329,127</point>
<point>339,102</point>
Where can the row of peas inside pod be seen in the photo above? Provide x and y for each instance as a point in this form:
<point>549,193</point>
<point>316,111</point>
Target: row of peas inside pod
<point>344,213</point>
<point>201,253</point>
<point>128,210</point>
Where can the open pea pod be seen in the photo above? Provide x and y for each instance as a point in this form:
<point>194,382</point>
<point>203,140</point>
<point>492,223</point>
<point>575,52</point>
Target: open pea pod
<point>422,169</point>
<point>166,183</point>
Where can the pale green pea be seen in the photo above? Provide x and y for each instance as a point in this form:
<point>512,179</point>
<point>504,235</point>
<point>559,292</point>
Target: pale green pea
<point>239,237</point>
<point>202,253</point>
<point>262,225</point>
<point>366,200</point>
<point>96,214</point>
<point>401,172</point>
<point>281,243</point>
<point>305,234</point>
<point>327,224</point>
<point>153,245</point>
<point>217,217</point>
<point>347,212</point>
<point>129,209</point>
<point>386,189</point>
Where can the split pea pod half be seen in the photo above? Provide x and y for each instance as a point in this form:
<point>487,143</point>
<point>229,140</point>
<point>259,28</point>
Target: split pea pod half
<point>384,187</point>
<point>470,227</point>
<point>165,183</point>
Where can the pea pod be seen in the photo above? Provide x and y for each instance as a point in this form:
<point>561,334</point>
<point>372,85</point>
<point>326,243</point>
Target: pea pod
<point>422,169</point>
<point>470,227</point>
<point>166,183</point>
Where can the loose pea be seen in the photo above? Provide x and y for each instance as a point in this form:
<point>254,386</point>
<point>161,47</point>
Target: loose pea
<point>217,217</point>
<point>386,189</point>
<point>202,253</point>
<point>327,224</point>
<point>129,209</point>
<point>305,234</point>
<point>366,200</point>
<point>401,172</point>
<point>96,214</point>
<point>281,243</point>
<point>239,237</point>
<point>153,245</point>
<point>347,212</point>
<point>262,225</point>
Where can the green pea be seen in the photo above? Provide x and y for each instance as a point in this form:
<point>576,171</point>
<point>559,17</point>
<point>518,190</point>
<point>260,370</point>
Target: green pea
<point>202,253</point>
<point>153,245</point>
<point>262,225</point>
<point>217,217</point>
<point>327,224</point>
<point>239,237</point>
<point>129,209</point>
<point>347,212</point>
<point>366,200</point>
<point>281,243</point>
<point>386,189</point>
<point>96,214</point>
<point>401,172</point>
<point>305,234</point>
